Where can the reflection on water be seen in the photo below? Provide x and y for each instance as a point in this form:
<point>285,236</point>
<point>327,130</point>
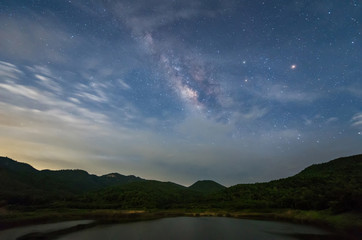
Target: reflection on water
<point>15,233</point>
<point>198,228</point>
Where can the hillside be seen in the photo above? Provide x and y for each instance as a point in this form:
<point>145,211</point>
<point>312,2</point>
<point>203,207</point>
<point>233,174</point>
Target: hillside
<point>335,185</point>
<point>22,184</point>
<point>344,167</point>
<point>148,194</point>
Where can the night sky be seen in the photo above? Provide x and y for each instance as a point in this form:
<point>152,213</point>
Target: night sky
<point>234,91</point>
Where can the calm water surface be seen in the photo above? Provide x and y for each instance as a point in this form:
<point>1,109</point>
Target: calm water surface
<point>196,228</point>
<point>15,233</point>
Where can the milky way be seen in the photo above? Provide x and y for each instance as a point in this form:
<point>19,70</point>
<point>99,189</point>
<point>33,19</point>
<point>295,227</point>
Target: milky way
<point>234,91</point>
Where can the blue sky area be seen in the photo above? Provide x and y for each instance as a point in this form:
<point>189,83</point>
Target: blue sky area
<point>234,91</point>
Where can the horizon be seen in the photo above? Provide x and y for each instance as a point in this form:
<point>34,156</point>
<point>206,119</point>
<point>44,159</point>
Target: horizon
<point>199,180</point>
<point>234,91</point>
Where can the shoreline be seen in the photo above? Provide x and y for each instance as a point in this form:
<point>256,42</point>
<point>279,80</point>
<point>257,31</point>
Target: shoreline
<point>346,225</point>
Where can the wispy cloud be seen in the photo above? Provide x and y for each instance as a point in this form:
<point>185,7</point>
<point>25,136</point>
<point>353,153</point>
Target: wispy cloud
<point>354,90</point>
<point>123,84</point>
<point>49,83</point>
<point>357,120</point>
<point>319,120</point>
<point>283,93</point>
<point>146,16</point>
<point>254,113</point>
<point>25,39</point>
<point>43,100</point>
<point>9,71</point>
<point>24,91</point>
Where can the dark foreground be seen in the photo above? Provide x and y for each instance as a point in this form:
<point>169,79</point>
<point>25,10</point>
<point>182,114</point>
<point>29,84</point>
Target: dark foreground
<point>185,228</point>
<point>328,195</point>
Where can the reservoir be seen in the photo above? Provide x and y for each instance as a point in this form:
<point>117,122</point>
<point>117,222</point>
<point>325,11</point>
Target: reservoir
<point>176,228</point>
<point>200,228</point>
<point>173,228</point>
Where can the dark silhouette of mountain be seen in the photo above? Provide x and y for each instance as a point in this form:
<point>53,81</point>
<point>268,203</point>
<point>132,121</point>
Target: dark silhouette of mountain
<point>21,183</point>
<point>335,185</point>
<point>16,176</point>
<point>206,186</point>
<point>12,165</point>
<point>343,167</point>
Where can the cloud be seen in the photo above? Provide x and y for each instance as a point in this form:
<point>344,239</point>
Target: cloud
<point>331,120</point>
<point>25,38</point>
<point>203,130</point>
<point>49,106</point>
<point>9,71</point>
<point>49,83</point>
<point>44,100</point>
<point>148,16</point>
<point>37,38</point>
<point>136,92</point>
<point>354,90</point>
<point>92,97</point>
<point>253,113</point>
<point>64,134</point>
<point>357,120</point>
<point>123,84</point>
<point>319,120</point>
<point>94,91</point>
<point>57,131</point>
<point>61,132</point>
<point>23,91</point>
<point>46,78</point>
<point>284,94</point>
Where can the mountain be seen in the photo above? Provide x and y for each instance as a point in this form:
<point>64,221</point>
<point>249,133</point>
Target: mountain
<point>343,167</point>
<point>206,186</point>
<point>335,185</point>
<point>23,184</point>
<point>116,178</point>
<point>11,165</point>
<point>149,194</point>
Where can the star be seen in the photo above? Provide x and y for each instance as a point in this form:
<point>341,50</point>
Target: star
<point>293,66</point>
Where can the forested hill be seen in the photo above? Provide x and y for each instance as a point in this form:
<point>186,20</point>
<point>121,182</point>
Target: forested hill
<point>23,181</point>
<point>343,167</point>
<point>335,185</point>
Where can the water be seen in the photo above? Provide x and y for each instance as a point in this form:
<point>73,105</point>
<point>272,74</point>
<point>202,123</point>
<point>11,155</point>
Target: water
<point>15,233</point>
<point>198,228</point>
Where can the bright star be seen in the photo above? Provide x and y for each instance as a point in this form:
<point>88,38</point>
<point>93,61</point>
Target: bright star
<point>293,66</point>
